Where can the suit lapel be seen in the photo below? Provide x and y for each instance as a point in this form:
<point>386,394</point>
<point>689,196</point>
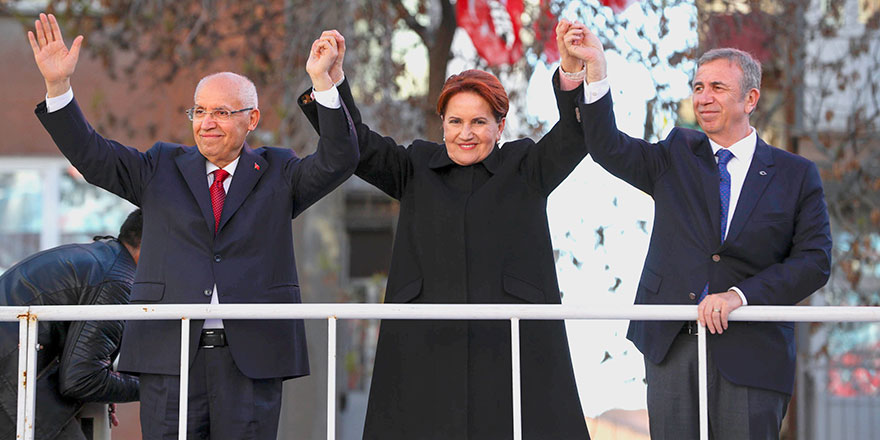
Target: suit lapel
<point>192,166</point>
<point>709,179</point>
<point>760,174</point>
<point>250,169</point>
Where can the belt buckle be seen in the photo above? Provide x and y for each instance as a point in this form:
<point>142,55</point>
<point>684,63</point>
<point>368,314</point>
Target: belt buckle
<point>214,336</point>
<point>692,328</point>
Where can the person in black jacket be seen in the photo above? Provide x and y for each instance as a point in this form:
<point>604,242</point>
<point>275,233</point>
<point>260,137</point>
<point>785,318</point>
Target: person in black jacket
<point>472,230</point>
<point>75,360</point>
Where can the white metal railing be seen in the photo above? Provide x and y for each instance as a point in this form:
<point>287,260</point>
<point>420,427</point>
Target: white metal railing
<point>28,317</point>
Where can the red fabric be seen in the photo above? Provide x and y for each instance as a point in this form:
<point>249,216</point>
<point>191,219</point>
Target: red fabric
<point>748,32</point>
<point>617,6</point>
<point>545,30</point>
<point>218,195</point>
<point>493,26</point>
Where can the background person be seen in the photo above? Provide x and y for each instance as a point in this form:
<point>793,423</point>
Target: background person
<point>472,230</point>
<point>75,361</point>
<point>736,222</point>
<point>217,230</point>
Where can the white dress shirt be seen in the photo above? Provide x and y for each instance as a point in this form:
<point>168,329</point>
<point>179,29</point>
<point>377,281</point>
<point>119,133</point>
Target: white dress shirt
<point>210,168</point>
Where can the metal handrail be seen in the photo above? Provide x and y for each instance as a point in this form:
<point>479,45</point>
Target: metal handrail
<point>28,317</point>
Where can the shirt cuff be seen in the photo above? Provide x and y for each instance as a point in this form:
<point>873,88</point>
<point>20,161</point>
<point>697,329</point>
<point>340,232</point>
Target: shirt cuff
<point>328,98</point>
<point>566,84</point>
<point>742,296</point>
<point>596,90</point>
<point>59,102</point>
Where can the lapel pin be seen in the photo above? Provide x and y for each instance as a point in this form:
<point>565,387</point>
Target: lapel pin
<point>257,167</point>
<point>762,172</point>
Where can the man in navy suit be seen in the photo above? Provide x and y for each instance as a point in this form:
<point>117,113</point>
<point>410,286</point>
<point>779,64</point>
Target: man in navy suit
<point>217,229</point>
<point>737,222</point>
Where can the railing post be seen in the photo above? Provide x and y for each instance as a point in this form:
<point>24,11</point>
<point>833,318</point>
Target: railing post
<point>31,378</point>
<point>703,382</point>
<point>23,351</point>
<point>331,378</point>
<point>100,417</point>
<point>515,365</point>
<point>184,378</point>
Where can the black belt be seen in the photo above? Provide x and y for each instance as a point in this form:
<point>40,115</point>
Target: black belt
<point>689,328</point>
<point>212,338</point>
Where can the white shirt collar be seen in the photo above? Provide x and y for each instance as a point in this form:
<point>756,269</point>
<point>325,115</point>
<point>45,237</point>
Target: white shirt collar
<point>210,167</point>
<point>742,149</point>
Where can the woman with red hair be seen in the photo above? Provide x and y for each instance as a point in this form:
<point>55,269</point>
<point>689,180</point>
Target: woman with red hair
<point>472,230</point>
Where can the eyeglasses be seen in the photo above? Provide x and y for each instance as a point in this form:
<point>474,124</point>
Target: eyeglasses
<point>219,114</point>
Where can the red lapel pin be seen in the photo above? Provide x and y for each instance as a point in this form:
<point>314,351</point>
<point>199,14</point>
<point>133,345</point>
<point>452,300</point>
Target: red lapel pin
<point>257,166</point>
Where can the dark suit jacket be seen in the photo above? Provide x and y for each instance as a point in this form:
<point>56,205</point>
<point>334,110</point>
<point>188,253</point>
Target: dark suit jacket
<point>471,234</point>
<point>777,251</point>
<point>250,259</point>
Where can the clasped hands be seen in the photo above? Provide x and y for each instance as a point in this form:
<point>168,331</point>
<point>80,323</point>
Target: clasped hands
<point>579,47</point>
<point>325,60</point>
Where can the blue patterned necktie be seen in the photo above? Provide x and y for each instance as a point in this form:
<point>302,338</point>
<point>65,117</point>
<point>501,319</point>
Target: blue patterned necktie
<point>724,156</point>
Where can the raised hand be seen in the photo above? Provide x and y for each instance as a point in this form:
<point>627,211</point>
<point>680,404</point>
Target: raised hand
<point>568,62</point>
<point>336,73</point>
<point>322,58</point>
<point>580,43</point>
<point>55,61</point>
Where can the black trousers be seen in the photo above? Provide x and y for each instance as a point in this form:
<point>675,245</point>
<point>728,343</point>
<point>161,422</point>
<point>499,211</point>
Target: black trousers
<point>223,402</point>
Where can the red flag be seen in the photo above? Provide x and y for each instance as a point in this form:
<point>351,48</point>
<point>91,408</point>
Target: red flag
<point>493,26</point>
<point>617,6</point>
<point>545,30</point>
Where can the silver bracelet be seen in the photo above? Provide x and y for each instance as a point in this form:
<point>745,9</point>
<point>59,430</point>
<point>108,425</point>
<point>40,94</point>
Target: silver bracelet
<point>576,76</point>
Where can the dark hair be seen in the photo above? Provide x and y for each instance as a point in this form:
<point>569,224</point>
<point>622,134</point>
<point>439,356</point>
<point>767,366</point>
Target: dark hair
<point>483,84</point>
<point>132,228</point>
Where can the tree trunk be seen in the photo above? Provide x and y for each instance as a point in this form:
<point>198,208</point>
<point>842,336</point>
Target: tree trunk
<point>438,57</point>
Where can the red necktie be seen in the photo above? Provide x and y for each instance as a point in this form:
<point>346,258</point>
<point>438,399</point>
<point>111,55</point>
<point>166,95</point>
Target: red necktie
<point>218,195</point>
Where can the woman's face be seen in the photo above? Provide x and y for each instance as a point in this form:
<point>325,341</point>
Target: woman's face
<point>469,128</point>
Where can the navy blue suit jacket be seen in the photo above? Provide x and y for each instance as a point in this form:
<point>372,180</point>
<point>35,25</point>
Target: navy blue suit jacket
<point>777,250</point>
<point>250,259</point>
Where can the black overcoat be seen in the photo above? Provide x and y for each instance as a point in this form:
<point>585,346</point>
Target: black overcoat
<point>478,235</point>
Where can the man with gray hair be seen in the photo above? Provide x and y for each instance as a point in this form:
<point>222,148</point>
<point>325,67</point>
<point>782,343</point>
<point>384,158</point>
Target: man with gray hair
<point>217,229</point>
<point>737,222</point>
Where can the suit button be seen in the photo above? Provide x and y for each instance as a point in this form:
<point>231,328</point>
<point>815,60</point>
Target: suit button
<point>716,258</point>
<point>692,295</point>
<point>208,292</point>
<point>217,258</point>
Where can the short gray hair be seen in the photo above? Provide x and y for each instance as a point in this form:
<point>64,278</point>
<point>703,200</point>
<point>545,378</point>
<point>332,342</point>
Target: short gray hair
<point>751,68</point>
<point>247,91</point>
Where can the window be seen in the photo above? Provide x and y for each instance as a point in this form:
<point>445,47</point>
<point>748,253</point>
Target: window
<point>45,202</point>
<point>21,208</point>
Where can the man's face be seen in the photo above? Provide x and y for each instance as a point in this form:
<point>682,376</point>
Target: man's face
<point>721,107</point>
<point>220,141</point>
